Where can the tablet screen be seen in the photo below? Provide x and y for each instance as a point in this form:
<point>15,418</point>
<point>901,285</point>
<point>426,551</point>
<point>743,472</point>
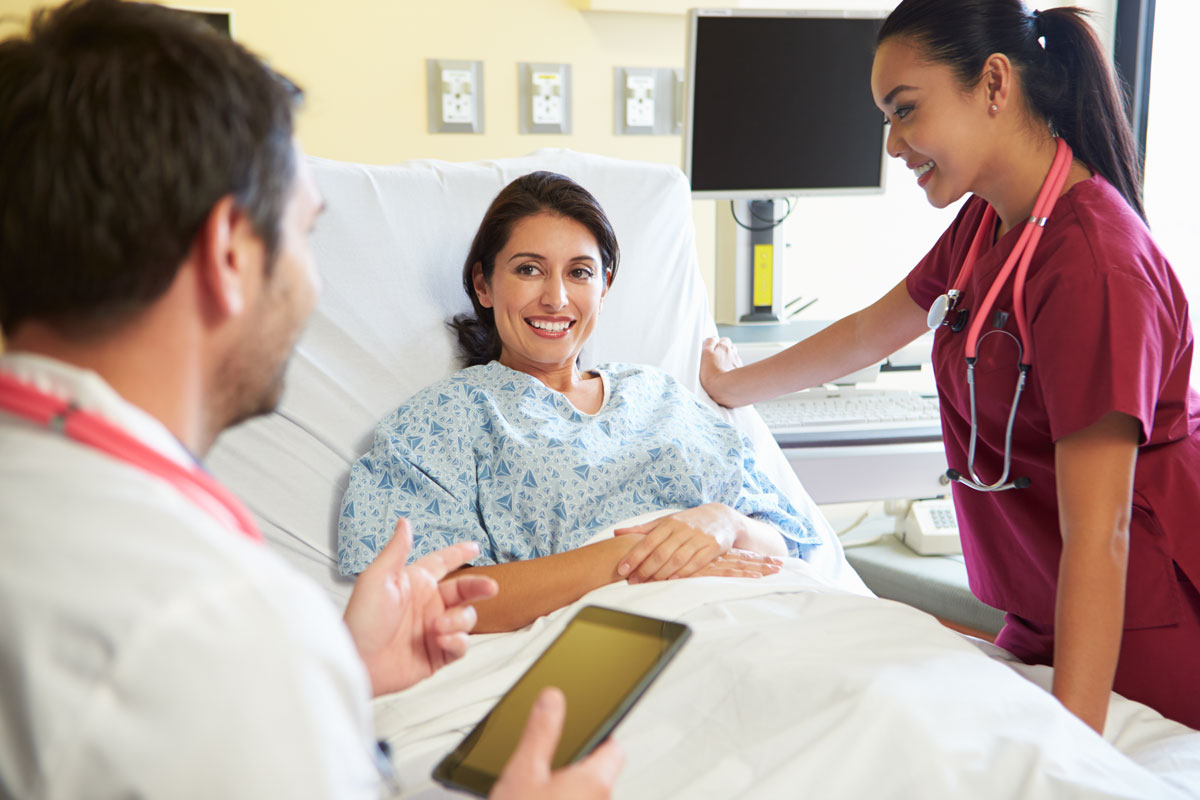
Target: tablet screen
<point>602,661</point>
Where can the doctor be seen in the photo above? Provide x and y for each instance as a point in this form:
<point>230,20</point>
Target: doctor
<point>154,275</point>
<point>1062,350</point>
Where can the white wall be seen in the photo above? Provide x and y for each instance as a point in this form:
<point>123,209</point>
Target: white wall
<point>1172,173</point>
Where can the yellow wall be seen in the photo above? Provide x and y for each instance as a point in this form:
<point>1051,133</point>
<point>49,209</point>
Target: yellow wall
<point>362,63</point>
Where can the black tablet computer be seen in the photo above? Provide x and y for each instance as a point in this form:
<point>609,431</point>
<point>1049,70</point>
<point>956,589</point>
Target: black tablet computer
<point>602,662</point>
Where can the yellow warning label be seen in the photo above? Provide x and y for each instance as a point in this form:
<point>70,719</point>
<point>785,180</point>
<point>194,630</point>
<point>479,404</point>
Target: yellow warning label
<point>764,263</point>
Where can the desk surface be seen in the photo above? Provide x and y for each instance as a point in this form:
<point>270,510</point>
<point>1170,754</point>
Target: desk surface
<point>936,584</point>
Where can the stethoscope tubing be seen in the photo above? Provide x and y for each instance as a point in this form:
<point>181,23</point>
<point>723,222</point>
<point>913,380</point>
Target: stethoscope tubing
<point>1020,258</point>
<point>65,417</point>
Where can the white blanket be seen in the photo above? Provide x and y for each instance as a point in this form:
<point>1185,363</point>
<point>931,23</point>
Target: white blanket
<point>791,686</point>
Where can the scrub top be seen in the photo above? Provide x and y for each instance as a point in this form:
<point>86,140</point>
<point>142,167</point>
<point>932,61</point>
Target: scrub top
<point>1109,321</point>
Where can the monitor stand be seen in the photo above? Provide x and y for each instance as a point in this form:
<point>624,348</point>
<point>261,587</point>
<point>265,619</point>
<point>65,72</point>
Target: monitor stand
<point>764,290</point>
<point>749,263</point>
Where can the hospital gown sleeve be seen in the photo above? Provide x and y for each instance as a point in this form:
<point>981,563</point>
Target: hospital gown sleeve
<point>420,468</point>
<point>747,489</point>
<point>759,498</point>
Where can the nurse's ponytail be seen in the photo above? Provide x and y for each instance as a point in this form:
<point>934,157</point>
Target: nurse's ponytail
<point>1066,77</point>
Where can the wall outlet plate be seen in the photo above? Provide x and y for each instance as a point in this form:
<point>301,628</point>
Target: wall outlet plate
<point>639,101</point>
<point>545,97</point>
<point>455,96</point>
<point>644,101</point>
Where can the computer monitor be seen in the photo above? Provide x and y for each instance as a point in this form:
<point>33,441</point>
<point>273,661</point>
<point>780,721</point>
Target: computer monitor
<point>779,104</point>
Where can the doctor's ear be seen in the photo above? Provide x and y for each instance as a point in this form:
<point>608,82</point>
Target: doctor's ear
<point>226,251</point>
<point>482,290</point>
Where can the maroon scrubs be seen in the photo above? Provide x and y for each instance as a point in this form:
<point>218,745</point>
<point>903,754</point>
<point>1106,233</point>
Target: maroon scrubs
<point>1110,328</point>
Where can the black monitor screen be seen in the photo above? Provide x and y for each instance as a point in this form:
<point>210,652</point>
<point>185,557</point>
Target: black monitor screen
<point>781,105</point>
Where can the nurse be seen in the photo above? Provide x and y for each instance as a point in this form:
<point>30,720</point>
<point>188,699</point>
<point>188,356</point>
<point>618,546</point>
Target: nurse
<point>1078,511</point>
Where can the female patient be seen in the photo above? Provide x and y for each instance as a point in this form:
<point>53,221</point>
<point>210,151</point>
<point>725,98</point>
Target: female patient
<point>529,456</point>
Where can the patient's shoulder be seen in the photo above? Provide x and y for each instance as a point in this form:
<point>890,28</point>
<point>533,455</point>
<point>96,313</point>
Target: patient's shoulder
<point>463,384</point>
<point>628,371</point>
<point>643,377</point>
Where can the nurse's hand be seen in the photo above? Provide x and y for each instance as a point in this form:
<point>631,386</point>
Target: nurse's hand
<point>717,357</point>
<point>681,544</point>
<point>527,775</point>
<point>406,621</point>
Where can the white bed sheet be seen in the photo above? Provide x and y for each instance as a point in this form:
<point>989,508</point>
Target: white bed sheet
<point>792,686</point>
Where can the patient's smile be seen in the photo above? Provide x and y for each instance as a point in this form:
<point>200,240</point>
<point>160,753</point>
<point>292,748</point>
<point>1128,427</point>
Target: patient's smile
<point>551,328</point>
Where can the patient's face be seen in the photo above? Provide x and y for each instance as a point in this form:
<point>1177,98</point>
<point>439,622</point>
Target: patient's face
<point>546,291</point>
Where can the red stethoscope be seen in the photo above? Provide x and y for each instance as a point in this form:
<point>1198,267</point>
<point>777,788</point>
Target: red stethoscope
<point>23,400</point>
<point>1020,257</point>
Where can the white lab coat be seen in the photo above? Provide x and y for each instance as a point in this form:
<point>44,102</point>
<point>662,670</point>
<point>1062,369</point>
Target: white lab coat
<point>145,649</point>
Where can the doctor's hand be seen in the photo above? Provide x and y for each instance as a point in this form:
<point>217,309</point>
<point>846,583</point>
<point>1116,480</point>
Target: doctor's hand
<point>717,357</point>
<point>688,542</point>
<point>527,775</point>
<point>406,621</point>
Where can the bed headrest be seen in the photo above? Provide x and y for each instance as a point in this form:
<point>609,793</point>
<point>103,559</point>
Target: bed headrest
<point>390,249</point>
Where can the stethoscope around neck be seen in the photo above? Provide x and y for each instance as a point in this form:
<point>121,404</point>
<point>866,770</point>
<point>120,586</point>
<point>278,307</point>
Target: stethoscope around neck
<point>944,311</point>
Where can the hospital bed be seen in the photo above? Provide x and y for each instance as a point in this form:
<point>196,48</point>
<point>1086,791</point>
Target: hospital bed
<point>800,684</point>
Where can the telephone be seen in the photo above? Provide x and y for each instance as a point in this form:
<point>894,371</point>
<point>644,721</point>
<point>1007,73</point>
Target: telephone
<point>930,527</point>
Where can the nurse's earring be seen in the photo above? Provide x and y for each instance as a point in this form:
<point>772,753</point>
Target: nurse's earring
<point>995,108</point>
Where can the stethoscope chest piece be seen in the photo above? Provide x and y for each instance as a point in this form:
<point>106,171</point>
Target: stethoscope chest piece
<point>937,311</point>
<point>942,307</point>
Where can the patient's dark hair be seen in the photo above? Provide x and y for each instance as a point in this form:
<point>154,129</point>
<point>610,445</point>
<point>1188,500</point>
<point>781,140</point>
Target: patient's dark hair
<point>535,193</point>
<point>1066,78</point>
<point>122,126</point>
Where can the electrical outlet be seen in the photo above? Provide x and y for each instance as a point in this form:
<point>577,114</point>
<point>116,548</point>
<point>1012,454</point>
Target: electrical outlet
<point>644,101</point>
<point>458,102</point>
<point>455,96</point>
<point>639,101</point>
<point>545,97</point>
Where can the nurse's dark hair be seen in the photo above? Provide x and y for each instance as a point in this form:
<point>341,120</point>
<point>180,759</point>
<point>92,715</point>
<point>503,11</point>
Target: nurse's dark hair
<point>1065,75</point>
<point>535,193</point>
<point>122,126</point>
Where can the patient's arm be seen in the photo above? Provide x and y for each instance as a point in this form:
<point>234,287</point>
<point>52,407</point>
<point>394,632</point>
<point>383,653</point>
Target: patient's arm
<point>679,545</point>
<point>533,588</point>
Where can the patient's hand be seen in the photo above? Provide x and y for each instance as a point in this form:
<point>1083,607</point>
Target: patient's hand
<point>717,357</point>
<point>405,620</point>
<point>683,544</point>
<point>527,775</point>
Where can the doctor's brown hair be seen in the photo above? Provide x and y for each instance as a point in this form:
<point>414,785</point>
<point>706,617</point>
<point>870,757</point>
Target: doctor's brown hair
<point>535,193</point>
<point>123,124</point>
<point>1064,73</point>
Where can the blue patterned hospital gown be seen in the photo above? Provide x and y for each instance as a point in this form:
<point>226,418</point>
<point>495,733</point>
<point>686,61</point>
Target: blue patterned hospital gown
<point>494,456</point>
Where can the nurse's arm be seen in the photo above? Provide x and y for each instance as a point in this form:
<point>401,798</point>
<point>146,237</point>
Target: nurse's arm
<point>1094,470</point>
<point>852,343</point>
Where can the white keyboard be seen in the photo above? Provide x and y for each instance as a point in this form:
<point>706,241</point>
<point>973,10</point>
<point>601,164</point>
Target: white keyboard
<point>851,416</point>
